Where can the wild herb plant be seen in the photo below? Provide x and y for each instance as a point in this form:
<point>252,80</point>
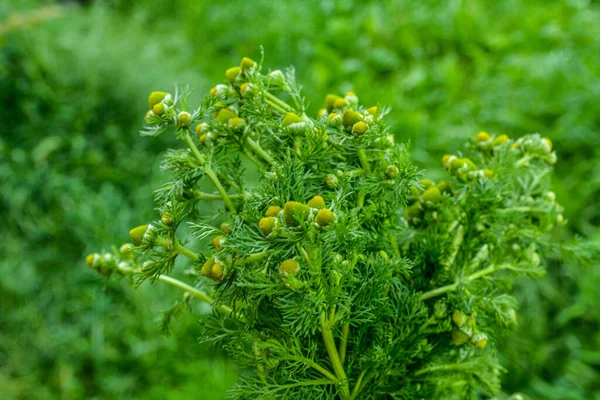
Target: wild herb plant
<point>341,274</point>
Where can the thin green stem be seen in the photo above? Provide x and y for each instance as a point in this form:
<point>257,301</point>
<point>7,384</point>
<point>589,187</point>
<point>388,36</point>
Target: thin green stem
<point>271,98</point>
<point>210,196</point>
<point>356,389</point>
<point>334,356</point>
<point>209,172</point>
<point>470,278</point>
<point>198,294</point>
<point>319,368</point>
<point>275,106</point>
<point>186,252</point>
<point>445,367</point>
<point>361,199</point>
<point>260,151</point>
<point>364,162</point>
<point>252,257</point>
<point>344,342</point>
<point>305,383</point>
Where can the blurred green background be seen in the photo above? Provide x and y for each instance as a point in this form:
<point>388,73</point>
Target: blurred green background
<point>75,175</point>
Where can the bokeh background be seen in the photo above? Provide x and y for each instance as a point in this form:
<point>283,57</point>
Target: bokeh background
<point>75,175</point>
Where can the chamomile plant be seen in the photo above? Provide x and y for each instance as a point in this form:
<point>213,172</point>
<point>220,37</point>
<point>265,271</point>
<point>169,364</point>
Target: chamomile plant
<point>341,273</point>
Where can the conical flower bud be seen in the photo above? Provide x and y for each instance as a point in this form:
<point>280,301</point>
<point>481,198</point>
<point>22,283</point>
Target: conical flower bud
<point>156,97</point>
<point>137,234</point>
<point>289,267</point>
<point>316,202</point>
<point>294,213</point>
<point>325,217</point>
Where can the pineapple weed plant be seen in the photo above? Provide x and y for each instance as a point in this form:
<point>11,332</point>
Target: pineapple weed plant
<point>342,274</point>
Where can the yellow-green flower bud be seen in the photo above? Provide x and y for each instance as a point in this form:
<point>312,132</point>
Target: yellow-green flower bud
<point>334,120</point>
<point>359,128</point>
<point>207,268</point>
<point>217,272</point>
<point>291,118</point>
<point>488,173</point>
<point>350,118</point>
<point>224,115</point>
<point>272,211</point>
<point>167,219</point>
<point>294,213</point>
<point>330,101</point>
<point>500,140</point>
<point>483,137</point>
<point>459,337</point>
<point>372,110</point>
<point>184,119</point>
<point>325,217</point>
<point>431,195</point>
<point>137,234</point>
<point>392,171</point>
<point>126,248</point>
<point>247,64</point>
<point>217,243</point>
<point>351,98</point>
<point>226,228</point>
<point>444,187</point>
<point>339,103</point>
<point>548,143</point>
<point>289,267</point>
<point>480,340</point>
<point>232,73</point>
<point>89,260</point>
<point>213,91</point>
<point>456,163</point>
<point>156,97</point>
<point>203,138</point>
<point>322,112</point>
<point>267,225</point>
<point>316,202</point>
<point>331,180</point>
<point>236,123</point>
<point>459,318</point>
<point>158,109</point>
<point>201,128</point>
<point>427,183</point>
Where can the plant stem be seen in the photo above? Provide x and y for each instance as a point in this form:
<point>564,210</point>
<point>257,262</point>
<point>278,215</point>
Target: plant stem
<point>209,196</point>
<point>364,162</point>
<point>344,342</point>
<point>209,172</point>
<point>260,151</point>
<point>198,294</point>
<point>318,367</point>
<point>305,383</point>
<point>186,252</point>
<point>470,278</point>
<point>252,258</point>
<point>334,356</point>
<point>271,98</point>
<point>356,389</point>
<point>445,367</point>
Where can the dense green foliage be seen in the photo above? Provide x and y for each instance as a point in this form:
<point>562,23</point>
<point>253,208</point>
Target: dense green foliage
<point>70,88</point>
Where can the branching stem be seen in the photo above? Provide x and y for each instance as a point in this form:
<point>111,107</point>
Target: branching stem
<point>364,162</point>
<point>210,173</point>
<point>449,288</point>
<point>334,356</point>
<point>198,294</point>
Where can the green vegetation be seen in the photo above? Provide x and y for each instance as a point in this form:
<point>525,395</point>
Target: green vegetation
<point>74,173</point>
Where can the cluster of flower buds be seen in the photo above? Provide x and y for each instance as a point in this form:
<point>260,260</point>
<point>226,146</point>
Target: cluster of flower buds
<point>465,330</point>
<point>107,263</point>
<point>530,146</point>
<point>346,114</point>
<point>426,199</point>
<point>465,169</point>
<point>161,109</point>
<point>294,214</point>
